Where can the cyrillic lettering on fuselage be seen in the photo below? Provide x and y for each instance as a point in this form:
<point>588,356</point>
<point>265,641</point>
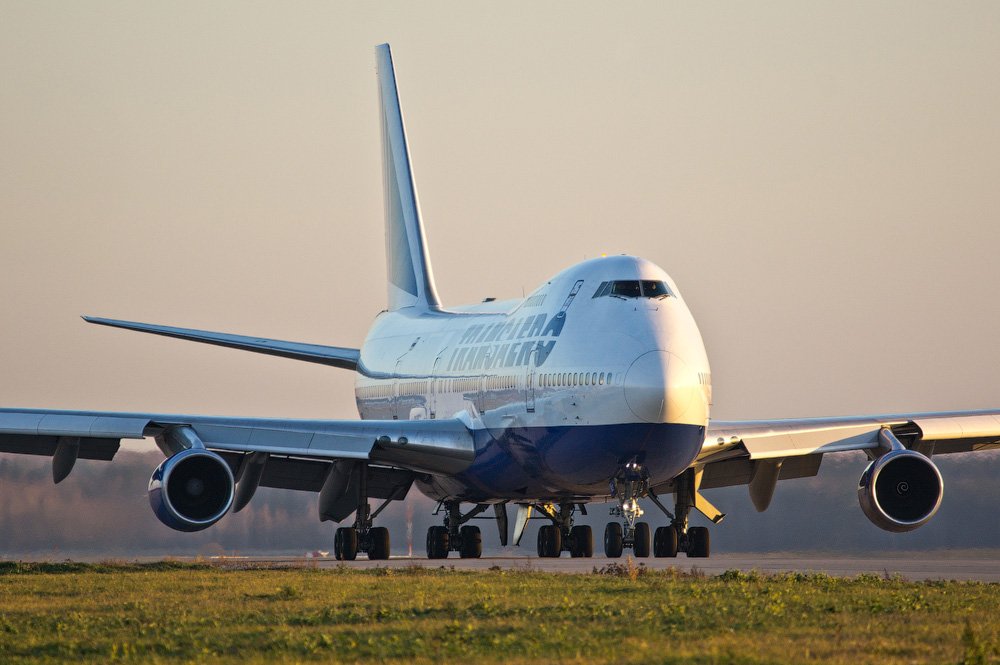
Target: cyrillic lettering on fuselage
<point>506,343</point>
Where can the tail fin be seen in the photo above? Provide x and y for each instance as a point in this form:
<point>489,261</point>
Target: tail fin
<point>411,282</point>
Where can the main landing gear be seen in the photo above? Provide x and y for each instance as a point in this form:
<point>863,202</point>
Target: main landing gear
<point>455,535</point>
<point>562,536</point>
<point>667,541</point>
<point>362,537</point>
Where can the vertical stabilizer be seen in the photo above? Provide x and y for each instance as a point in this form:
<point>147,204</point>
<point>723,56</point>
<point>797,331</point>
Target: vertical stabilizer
<point>411,283</point>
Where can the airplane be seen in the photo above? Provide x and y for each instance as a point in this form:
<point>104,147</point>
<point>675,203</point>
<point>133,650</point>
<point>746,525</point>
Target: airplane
<point>595,387</point>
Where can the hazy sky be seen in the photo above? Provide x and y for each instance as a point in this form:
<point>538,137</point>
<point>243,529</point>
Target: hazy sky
<point>821,180</point>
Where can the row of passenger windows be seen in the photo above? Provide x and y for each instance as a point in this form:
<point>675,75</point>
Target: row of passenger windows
<point>383,390</point>
<point>535,300</point>
<point>500,383</point>
<point>572,379</point>
<point>633,289</point>
<point>472,384</point>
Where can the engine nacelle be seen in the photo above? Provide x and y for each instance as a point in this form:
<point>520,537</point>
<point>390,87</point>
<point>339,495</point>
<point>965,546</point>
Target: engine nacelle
<point>901,490</point>
<point>191,490</point>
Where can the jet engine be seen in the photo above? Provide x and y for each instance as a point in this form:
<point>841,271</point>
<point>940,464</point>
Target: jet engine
<point>191,490</point>
<point>901,490</point>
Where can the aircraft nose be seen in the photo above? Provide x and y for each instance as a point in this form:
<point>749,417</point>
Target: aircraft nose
<point>661,388</point>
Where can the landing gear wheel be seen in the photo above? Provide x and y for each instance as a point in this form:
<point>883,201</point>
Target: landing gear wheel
<point>613,540</point>
<point>549,542</point>
<point>471,546</point>
<point>665,542</point>
<point>698,542</point>
<point>581,541</point>
<point>345,543</point>
<point>437,542</point>
<point>640,545</point>
<point>378,547</point>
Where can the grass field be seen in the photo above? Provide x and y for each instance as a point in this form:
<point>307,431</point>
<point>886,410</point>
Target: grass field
<point>170,612</point>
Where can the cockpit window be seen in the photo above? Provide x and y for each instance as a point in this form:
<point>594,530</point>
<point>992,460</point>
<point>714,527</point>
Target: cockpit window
<point>633,289</point>
<point>626,289</point>
<point>655,289</point>
<point>602,290</point>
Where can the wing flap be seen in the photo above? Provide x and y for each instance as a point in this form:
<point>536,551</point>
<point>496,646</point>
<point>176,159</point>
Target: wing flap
<point>308,475</point>
<point>33,444</point>
<point>740,471</point>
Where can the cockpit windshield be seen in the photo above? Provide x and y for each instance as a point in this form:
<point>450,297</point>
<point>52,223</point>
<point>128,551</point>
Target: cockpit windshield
<point>633,289</point>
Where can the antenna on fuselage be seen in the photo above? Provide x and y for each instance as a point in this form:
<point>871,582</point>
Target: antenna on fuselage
<point>411,282</point>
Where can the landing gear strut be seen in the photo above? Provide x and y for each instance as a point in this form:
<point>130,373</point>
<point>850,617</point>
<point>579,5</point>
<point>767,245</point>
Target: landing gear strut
<point>362,537</point>
<point>453,536</point>
<point>678,536</point>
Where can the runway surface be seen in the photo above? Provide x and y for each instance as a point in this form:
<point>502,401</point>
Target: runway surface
<point>909,566</point>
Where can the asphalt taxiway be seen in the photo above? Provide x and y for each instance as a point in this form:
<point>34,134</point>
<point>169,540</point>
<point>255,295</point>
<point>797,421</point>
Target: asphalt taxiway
<point>910,566</point>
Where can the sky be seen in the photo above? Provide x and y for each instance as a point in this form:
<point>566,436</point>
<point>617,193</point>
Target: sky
<point>820,179</point>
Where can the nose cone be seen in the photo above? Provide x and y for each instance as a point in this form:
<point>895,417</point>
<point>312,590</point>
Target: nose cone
<point>661,388</point>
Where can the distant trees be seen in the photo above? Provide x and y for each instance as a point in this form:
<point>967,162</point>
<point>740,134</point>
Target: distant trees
<point>102,510</point>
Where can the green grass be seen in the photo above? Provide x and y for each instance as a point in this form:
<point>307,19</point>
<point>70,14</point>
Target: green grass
<point>169,612</point>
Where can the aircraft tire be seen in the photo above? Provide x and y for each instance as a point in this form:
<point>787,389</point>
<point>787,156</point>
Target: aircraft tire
<point>699,547</point>
<point>378,548</point>
<point>472,543</point>
<point>345,543</point>
<point>437,542</point>
<point>665,542</point>
<point>613,540</point>
<point>549,542</point>
<point>582,541</point>
<point>640,546</point>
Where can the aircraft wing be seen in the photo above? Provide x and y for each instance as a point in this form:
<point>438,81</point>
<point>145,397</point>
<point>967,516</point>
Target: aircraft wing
<point>423,446</point>
<point>334,356</point>
<point>758,453</point>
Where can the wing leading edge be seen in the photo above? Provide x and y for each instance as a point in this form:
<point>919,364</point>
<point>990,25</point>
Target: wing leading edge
<point>425,446</point>
<point>759,453</point>
<point>334,356</point>
<point>932,433</point>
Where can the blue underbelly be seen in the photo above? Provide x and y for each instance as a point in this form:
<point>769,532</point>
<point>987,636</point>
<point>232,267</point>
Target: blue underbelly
<point>567,461</point>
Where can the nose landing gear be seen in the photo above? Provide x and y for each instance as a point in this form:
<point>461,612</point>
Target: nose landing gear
<point>628,486</point>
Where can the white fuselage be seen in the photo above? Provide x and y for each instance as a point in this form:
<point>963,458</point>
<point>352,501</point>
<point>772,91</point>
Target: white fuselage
<point>564,357</point>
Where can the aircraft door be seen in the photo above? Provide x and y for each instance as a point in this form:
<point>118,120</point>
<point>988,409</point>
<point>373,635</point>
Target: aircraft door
<point>394,397</point>
<point>529,381</point>
<point>434,389</point>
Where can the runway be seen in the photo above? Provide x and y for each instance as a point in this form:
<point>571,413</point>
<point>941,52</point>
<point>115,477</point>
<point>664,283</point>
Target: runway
<point>910,566</point>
